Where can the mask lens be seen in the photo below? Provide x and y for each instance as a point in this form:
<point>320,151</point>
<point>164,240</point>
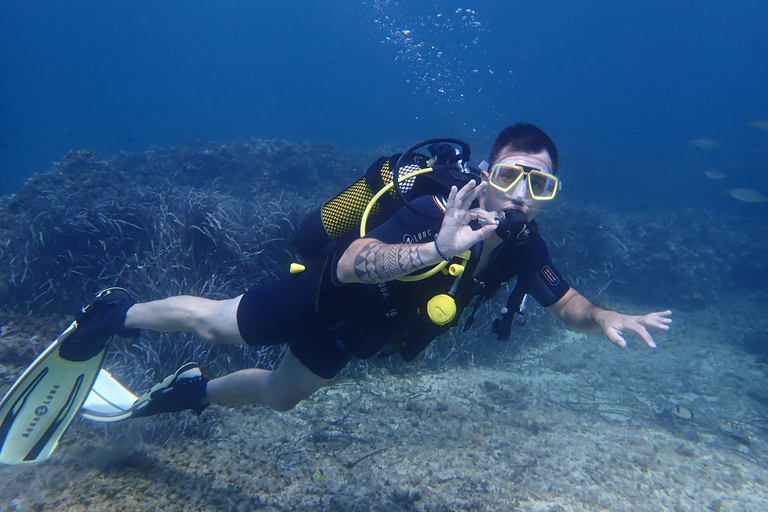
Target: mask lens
<point>543,185</point>
<point>504,176</point>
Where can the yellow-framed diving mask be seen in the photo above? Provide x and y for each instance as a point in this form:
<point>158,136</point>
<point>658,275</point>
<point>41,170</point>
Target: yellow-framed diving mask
<point>542,184</point>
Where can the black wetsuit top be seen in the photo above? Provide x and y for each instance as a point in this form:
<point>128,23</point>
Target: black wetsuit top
<point>328,322</point>
<point>397,309</point>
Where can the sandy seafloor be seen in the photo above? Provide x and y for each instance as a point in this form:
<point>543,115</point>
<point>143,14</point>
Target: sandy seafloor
<point>573,423</point>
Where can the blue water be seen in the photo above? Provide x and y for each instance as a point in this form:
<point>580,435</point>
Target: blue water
<point>620,86</point>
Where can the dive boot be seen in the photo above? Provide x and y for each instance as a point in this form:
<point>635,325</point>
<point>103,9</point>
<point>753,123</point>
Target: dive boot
<point>183,390</point>
<point>97,323</point>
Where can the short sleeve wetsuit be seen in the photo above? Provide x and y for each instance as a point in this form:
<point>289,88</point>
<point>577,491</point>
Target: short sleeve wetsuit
<point>326,322</point>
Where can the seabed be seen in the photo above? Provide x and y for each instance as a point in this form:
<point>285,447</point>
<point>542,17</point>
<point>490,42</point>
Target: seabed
<point>553,421</point>
<point>573,424</point>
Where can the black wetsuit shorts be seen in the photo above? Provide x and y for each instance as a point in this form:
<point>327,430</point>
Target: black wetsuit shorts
<point>286,312</point>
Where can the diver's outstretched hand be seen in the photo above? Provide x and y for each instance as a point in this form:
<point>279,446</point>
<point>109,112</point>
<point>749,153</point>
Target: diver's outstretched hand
<point>456,236</point>
<point>615,325</point>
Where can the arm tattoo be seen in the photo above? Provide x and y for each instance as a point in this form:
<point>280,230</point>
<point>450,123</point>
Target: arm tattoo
<point>378,262</point>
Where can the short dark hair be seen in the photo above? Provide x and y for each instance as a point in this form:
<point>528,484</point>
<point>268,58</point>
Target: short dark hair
<point>527,138</point>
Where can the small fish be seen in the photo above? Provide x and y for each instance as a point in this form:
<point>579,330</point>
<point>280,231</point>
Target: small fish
<point>705,143</point>
<point>714,174</point>
<point>682,412</point>
<point>739,439</point>
<point>746,195</point>
<point>763,125</point>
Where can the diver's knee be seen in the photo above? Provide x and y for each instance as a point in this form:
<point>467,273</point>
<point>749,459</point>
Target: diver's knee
<point>285,399</point>
<point>285,403</point>
<point>218,337</point>
<point>208,336</point>
<point>203,328</point>
<point>281,407</point>
<point>217,323</point>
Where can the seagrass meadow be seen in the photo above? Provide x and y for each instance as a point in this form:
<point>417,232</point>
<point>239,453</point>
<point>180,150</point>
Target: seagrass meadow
<point>548,421</point>
<point>214,219</point>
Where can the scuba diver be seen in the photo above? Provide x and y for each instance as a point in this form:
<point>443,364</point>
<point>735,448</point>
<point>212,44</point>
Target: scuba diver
<point>363,295</point>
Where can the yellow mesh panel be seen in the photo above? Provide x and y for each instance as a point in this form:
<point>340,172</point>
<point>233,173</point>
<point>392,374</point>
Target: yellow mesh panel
<point>405,185</point>
<point>345,211</point>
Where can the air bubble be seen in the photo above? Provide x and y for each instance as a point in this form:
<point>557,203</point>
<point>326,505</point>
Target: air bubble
<point>439,36</point>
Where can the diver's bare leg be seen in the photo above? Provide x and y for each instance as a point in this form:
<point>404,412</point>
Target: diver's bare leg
<point>280,389</point>
<point>213,321</point>
<point>216,322</point>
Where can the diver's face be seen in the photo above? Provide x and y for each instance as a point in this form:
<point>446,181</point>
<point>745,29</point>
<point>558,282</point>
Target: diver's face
<point>518,198</point>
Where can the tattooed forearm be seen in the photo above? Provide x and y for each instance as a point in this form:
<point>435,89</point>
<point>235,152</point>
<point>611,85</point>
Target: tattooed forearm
<point>378,262</point>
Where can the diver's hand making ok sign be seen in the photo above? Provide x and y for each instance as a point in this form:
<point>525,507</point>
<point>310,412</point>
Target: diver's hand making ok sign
<point>368,260</point>
<point>456,235</point>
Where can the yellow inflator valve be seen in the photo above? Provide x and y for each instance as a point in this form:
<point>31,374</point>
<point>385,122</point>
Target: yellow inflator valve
<point>441,309</point>
<point>297,268</point>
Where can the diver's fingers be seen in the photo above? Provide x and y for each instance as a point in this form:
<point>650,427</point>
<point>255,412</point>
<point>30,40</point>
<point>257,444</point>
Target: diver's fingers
<point>469,193</point>
<point>615,337</point>
<point>660,320</point>
<point>633,324</point>
<point>655,324</point>
<point>488,222</point>
<point>484,216</point>
<point>614,333</point>
<point>474,194</point>
<point>451,203</point>
<point>645,335</point>
<point>453,193</point>
<point>482,213</point>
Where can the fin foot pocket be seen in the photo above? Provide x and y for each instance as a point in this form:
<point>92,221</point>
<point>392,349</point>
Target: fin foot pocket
<point>183,390</point>
<point>97,323</point>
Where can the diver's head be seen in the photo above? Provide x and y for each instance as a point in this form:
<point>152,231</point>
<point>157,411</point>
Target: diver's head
<point>521,182</point>
<point>524,138</point>
<point>521,174</point>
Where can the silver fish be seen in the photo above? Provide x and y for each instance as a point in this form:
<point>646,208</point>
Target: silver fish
<point>747,195</point>
<point>705,143</point>
<point>714,174</point>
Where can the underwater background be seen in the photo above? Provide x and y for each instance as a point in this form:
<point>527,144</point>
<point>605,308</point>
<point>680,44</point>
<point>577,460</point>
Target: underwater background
<point>622,87</point>
<point>170,147</point>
